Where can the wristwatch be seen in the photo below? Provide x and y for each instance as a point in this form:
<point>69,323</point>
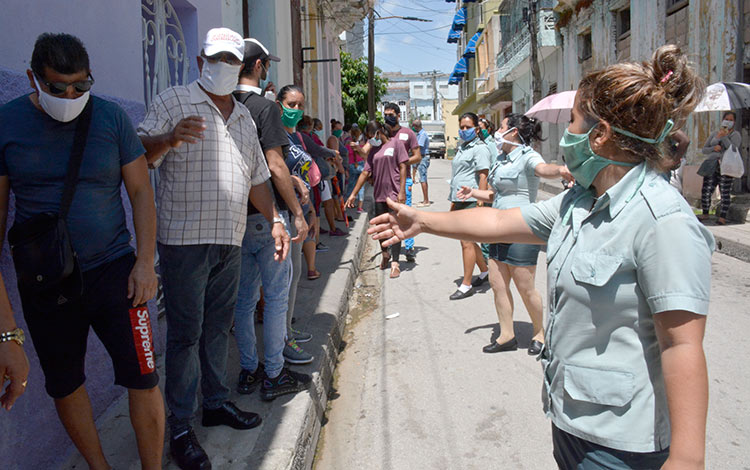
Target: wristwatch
<point>13,335</point>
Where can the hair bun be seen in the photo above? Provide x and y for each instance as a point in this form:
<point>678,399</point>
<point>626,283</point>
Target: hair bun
<point>672,73</point>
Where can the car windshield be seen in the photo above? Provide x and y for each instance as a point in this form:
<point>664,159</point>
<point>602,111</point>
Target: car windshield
<point>438,137</point>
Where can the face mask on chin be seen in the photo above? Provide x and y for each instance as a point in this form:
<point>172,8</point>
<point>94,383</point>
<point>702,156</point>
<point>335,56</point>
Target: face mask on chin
<point>61,109</point>
<point>219,78</point>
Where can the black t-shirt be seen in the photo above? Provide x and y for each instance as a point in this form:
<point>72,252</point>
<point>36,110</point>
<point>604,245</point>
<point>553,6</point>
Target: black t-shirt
<point>271,132</point>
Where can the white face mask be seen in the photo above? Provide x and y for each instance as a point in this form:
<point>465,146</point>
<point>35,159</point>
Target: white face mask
<point>219,78</point>
<point>375,142</point>
<point>500,139</point>
<point>727,123</point>
<point>61,109</point>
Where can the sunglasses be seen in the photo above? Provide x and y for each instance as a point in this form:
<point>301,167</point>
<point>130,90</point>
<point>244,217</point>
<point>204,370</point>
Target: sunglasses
<point>58,88</point>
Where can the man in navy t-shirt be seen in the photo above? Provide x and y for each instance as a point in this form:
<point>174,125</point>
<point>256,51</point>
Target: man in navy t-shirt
<point>36,138</point>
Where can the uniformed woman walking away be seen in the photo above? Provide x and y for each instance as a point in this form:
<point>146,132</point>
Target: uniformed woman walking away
<point>629,271</point>
<point>469,168</point>
<point>514,182</point>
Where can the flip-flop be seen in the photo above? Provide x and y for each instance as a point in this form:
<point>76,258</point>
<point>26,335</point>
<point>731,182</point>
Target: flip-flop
<point>312,275</point>
<point>395,272</point>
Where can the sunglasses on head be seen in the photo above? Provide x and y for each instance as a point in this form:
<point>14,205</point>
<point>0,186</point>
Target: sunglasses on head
<point>58,88</point>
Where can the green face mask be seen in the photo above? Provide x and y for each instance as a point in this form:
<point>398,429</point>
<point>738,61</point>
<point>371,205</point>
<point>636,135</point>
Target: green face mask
<point>485,133</point>
<point>337,133</point>
<point>584,164</point>
<point>290,117</point>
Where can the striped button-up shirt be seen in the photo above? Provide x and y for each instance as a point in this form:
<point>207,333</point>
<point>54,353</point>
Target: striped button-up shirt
<point>203,188</point>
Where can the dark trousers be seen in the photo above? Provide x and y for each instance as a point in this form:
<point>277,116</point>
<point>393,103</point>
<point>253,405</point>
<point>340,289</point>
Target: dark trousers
<point>382,208</point>
<point>725,187</point>
<point>574,453</point>
<point>200,290</point>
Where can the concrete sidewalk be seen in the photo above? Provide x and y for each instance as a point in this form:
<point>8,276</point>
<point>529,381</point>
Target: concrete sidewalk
<point>732,239</point>
<point>291,424</point>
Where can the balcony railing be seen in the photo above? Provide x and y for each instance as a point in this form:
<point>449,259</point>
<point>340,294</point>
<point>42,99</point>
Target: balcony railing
<point>515,52</point>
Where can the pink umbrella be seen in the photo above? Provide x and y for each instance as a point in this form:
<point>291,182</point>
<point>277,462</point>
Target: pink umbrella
<point>554,108</point>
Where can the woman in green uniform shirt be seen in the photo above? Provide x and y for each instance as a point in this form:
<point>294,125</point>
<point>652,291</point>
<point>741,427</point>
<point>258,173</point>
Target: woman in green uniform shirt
<point>628,276</point>
<point>469,168</point>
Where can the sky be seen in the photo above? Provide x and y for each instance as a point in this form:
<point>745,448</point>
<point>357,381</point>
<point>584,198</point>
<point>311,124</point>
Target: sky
<point>411,46</point>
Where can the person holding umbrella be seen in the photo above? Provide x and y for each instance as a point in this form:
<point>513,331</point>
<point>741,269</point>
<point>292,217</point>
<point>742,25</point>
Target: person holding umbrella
<point>718,142</point>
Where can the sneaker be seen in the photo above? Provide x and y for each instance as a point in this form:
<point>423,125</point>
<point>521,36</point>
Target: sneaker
<point>337,233</point>
<point>287,382</point>
<point>293,354</point>
<point>249,381</point>
<point>299,336</point>
<point>323,231</point>
<point>188,453</point>
<point>320,247</point>
<point>360,210</point>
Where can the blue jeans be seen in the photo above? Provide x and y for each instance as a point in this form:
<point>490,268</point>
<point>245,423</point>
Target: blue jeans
<point>259,268</point>
<point>355,169</point>
<point>200,290</point>
<point>409,242</point>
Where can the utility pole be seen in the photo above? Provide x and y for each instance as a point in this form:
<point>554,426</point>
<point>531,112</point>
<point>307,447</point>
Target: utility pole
<point>371,64</point>
<point>536,74</point>
<point>433,76</point>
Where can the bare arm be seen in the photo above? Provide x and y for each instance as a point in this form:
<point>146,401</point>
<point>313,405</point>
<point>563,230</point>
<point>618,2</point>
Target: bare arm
<point>282,180</point>
<point>13,361</point>
<point>483,195</point>
<point>360,182</point>
<point>142,282</point>
<point>680,336</point>
<point>416,156</point>
<point>402,179</point>
<point>188,130</point>
<point>481,224</point>
<point>550,170</point>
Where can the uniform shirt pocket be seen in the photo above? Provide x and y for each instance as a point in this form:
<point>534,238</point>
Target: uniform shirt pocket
<point>599,386</point>
<point>595,269</point>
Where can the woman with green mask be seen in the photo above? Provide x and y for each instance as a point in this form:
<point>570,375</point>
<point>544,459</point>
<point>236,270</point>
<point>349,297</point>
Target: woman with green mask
<point>628,274</point>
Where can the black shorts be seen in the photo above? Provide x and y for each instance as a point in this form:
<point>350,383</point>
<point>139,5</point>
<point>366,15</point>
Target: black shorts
<point>60,334</point>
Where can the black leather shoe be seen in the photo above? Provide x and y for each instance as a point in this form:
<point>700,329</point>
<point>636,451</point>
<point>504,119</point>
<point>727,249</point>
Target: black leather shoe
<point>511,345</point>
<point>479,280</point>
<point>458,295</point>
<point>229,415</point>
<point>188,453</point>
<point>535,348</point>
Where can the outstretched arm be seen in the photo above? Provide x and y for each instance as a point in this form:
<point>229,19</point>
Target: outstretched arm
<point>482,224</point>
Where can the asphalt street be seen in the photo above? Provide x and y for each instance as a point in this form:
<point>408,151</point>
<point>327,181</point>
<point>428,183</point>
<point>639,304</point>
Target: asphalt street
<point>416,391</point>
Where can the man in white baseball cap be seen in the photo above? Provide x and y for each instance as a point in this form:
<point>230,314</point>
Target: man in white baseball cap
<point>206,148</point>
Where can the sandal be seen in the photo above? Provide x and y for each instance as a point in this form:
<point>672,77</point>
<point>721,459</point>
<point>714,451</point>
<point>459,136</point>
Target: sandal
<point>312,275</point>
<point>386,261</point>
<point>395,272</point>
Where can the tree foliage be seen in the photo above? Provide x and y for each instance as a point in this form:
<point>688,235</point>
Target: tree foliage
<point>354,88</point>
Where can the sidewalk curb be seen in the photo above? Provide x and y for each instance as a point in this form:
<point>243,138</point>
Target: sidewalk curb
<point>293,446</point>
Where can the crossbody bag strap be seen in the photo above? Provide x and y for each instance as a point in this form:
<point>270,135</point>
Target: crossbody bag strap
<point>76,156</point>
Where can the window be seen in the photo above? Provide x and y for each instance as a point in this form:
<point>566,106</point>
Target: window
<point>402,103</point>
<point>677,24</point>
<point>552,89</point>
<point>584,46</point>
<point>623,23</point>
<point>674,5</point>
